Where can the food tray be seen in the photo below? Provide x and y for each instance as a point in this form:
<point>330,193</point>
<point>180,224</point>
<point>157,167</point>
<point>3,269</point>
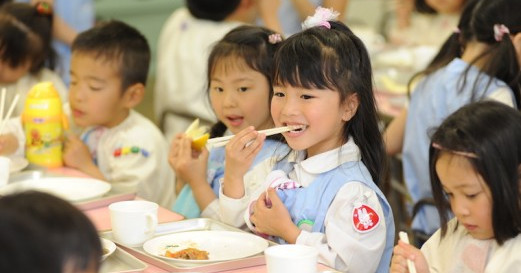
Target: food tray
<point>105,200</point>
<point>122,262</point>
<point>196,224</point>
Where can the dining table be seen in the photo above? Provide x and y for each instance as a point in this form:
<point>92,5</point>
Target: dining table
<point>98,212</point>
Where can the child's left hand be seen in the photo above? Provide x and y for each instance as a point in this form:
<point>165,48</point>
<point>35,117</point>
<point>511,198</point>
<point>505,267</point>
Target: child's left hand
<point>75,153</point>
<point>275,219</point>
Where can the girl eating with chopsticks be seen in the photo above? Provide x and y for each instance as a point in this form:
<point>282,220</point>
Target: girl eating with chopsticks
<point>330,198</point>
<point>240,89</point>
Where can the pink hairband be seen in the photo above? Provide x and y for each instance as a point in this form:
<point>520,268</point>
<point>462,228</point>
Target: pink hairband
<point>499,31</point>
<point>465,154</point>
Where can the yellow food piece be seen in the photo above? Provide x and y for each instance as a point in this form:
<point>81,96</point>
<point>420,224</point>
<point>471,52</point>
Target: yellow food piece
<point>198,134</point>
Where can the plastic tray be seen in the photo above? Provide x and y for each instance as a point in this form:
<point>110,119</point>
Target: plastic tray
<point>191,225</point>
<point>122,262</point>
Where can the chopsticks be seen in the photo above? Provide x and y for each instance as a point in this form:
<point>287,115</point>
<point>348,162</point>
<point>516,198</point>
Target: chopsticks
<point>221,141</point>
<point>410,264</point>
<point>3,120</point>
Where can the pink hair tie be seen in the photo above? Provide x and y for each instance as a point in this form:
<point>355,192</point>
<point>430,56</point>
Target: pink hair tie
<point>457,30</point>
<point>274,38</point>
<point>499,31</point>
<point>460,153</point>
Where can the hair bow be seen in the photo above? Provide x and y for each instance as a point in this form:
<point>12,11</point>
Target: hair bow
<point>499,31</point>
<point>274,38</point>
<point>321,17</point>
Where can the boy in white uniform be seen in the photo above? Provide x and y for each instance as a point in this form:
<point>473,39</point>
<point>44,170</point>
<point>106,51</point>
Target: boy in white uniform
<point>109,69</point>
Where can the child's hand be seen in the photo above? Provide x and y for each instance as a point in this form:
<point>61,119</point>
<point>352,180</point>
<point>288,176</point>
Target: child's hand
<point>8,144</point>
<point>189,165</point>
<point>240,153</point>
<point>76,154</point>
<point>402,252</point>
<point>271,217</point>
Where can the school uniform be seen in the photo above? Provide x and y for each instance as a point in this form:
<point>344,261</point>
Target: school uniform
<point>133,157</point>
<point>185,203</point>
<point>458,252</point>
<point>339,209</point>
<point>435,98</point>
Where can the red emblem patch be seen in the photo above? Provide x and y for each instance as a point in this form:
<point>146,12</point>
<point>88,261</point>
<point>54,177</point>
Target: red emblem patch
<point>365,218</point>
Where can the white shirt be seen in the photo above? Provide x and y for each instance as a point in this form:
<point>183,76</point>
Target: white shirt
<point>341,246</point>
<point>459,252</point>
<point>24,85</point>
<point>133,157</point>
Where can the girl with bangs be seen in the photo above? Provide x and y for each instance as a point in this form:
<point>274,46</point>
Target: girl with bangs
<point>325,192</point>
<point>240,89</point>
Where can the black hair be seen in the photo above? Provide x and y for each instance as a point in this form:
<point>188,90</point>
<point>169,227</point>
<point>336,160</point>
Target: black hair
<point>250,44</point>
<point>26,37</point>
<point>117,42</point>
<point>44,233</point>
<point>477,24</point>
<point>336,59</point>
<point>491,131</point>
<point>214,10</point>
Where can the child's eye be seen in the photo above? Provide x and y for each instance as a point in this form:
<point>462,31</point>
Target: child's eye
<point>243,89</point>
<point>306,97</point>
<point>95,88</point>
<point>218,89</point>
<point>278,94</point>
<point>471,196</point>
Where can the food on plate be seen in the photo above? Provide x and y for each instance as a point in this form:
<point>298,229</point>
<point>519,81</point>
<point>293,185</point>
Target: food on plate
<point>198,134</point>
<point>190,253</point>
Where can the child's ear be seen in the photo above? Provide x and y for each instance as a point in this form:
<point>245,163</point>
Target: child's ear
<point>134,95</point>
<point>350,106</point>
<point>516,41</point>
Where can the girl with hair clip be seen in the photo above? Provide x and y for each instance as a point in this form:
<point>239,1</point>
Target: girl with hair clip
<point>239,89</point>
<point>331,200</point>
<point>475,163</point>
<point>480,61</point>
<point>26,58</point>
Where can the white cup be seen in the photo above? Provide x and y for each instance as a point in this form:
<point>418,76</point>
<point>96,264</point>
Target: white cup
<point>291,258</point>
<point>133,222</point>
<point>5,163</point>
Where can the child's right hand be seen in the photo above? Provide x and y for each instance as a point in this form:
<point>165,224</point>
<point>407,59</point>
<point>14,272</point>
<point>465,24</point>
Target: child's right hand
<point>240,153</point>
<point>8,144</point>
<point>189,165</point>
<point>402,252</point>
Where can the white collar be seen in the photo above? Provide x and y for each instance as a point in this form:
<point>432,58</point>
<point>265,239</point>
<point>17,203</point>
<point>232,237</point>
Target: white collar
<point>328,160</point>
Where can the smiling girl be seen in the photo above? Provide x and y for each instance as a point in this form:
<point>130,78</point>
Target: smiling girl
<point>323,84</point>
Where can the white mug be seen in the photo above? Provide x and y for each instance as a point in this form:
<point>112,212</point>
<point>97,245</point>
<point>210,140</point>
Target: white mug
<point>5,163</point>
<point>291,258</point>
<point>133,222</point>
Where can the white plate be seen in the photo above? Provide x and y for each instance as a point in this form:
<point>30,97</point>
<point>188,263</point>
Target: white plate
<point>109,246</point>
<point>220,245</point>
<point>73,189</point>
<point>17,164</point>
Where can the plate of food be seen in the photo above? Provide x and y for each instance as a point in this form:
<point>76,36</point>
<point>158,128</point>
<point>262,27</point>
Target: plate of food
<point>73,189</point>
<point>108,248</point>
<point>202,247</point>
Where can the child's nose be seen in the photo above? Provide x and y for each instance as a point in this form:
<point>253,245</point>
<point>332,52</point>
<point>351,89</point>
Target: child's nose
<point>459,208</point>
<point>230,99</point>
